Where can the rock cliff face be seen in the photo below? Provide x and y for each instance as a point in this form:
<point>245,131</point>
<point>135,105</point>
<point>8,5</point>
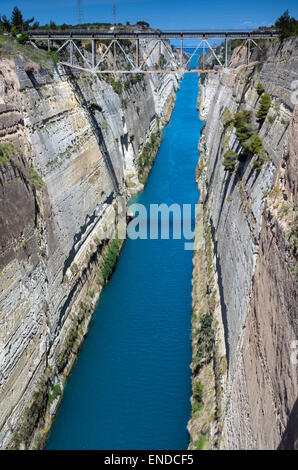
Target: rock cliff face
<point>248,217</point>
<point>76,144</point>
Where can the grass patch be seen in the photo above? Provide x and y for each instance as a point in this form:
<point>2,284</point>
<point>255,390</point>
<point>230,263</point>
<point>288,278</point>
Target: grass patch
<point>56,391</point>
<point>110,259</point>
<point>200,443</point>
<point>146,159</point>
<point>35,179</point>
<point>34,414</point>
<point>205,341</point>
<point>10,47</point>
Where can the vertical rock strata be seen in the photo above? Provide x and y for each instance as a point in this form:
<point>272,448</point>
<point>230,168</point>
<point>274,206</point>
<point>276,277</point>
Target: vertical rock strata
<point>246,245</point>
<point>71,148</point>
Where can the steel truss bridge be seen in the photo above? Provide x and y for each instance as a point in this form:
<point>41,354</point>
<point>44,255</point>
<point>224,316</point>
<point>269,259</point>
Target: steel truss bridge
<point>149,51</point>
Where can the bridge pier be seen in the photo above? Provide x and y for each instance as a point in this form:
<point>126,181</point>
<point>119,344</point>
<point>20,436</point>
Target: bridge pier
<point>137,53</point>
<point>93,43</point>
<point>71,52</point>
<point>114,56</point>
<point>181,54</point>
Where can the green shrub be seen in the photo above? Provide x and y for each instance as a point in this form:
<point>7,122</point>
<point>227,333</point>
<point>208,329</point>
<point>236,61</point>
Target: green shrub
<point>230,160</point>
<point>74,268</point>
<point>258,163</point>
<point>67,347</point>
<point>88,47</point>
<point>265,103</point>
<point>33,414</point>
<point>200,443</point>
<point>124,103</point>
<point>117,87</point>
<point>45,306</point>
<point>146,159</point>
<point>15,30</point>
<point>7,149</point>
<point>110,259</point>
<point>133,79</point>
<point>256,146</point>
<point>243,124</point>
<point>54,394</point>
<point>260,89</point>
<point>198,391</point>
<point>23,38</point>
<point>206,340</point>
<point>196,407</point>
<point>270,118</point>
<point>54,56</point>
<point>35,179</point>
<point>235,43</point>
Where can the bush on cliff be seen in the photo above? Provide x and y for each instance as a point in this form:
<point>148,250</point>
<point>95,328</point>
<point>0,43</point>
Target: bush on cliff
<point>147,156</point>
<point>243,125</point>
<point>34,413</point>
<point>110,259</point>
<point>206,340</point>
<point>265,103</point>
<point>230,160</point>
<point>256,146</point>
<point>35,179</point>
<point>198,391</point>
<point>22,38</point>
<point>260,89</point>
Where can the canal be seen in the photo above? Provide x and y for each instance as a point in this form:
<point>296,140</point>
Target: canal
<point>130,387</point>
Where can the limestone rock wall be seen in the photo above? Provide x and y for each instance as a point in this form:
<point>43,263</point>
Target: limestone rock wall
<point>251,215</point>
<point>83,139</point>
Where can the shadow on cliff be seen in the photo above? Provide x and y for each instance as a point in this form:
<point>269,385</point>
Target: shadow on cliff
<point>97,130</point>
<point>289,439</point>
<point>78,236</point>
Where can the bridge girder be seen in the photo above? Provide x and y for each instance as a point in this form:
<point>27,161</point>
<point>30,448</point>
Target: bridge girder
<point>135,63</point>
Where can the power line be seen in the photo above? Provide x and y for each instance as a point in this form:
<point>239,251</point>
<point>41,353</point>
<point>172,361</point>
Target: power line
<point>114,14</point>
<point>79,11</point>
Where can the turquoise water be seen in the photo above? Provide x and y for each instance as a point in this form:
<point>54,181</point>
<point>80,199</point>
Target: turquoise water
<point>130,387</point>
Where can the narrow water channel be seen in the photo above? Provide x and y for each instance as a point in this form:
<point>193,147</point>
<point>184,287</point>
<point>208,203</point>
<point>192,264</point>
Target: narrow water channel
<point>130,387</point>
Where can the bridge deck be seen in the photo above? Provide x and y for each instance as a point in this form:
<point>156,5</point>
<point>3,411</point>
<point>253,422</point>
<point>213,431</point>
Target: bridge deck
<point>186,34</point>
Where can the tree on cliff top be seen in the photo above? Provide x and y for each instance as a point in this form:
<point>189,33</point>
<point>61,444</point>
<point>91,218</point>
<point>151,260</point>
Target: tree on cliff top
<point>4,24</point>
<point>287,26</point>
<point>16,17</point>
<point>17,20</point>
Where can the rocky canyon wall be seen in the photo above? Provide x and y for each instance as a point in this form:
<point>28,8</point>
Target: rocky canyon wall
<point>246,247</point>
<point>71,151</point>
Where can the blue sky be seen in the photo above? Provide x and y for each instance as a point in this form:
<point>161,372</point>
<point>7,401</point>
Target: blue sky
<point>164,14</point>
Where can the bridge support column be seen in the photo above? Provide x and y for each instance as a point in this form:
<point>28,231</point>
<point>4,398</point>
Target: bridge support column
<point>93,53</point>
<point>71,52</point>
<point>114,59</point>
<point>159,51</point>
<point>181,54</point>
<point>248,51</point>
<point>137,53</point>
<point>226,52</point>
